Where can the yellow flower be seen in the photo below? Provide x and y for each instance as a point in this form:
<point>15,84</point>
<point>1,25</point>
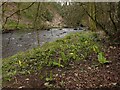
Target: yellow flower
<point>85,42</point>
<point>19,62</point>
<point>71,53</point>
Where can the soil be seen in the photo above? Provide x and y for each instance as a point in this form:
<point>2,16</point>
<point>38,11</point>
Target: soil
<point>79,75</point>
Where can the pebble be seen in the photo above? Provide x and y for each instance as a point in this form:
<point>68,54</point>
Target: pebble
<point>101,85</point>
<point>13,38</point>
<point>19,45</point>
<point>108,71</point>
<point>114,84</point>
<point>56,75</point>
<point>59,70</point>
<point>35,43</point>
<point>96,67</point>
<point>89,68</point>
<point>72,67</point>
<point>46,84</point>
<point>29,33</point>
<point>112,47</point>
<point>57,35</point>
<point>21,87</point>
<point>77,85</point>
<point>76,74</point>
<point>27,79</point>
<point>60,76</point>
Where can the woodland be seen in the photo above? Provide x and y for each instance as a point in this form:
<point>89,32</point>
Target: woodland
<point>86,58</point>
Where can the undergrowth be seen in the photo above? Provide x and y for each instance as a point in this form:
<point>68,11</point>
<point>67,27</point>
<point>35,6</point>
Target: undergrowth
<point>74,47</point>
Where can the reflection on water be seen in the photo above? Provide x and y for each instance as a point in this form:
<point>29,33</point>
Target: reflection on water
<point>21,41</point>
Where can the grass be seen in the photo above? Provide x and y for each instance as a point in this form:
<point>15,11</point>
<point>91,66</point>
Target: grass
<point>74,47</point>
<point>13,24</point>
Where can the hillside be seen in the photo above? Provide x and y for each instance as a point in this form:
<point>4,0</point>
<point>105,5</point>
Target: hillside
<point>22,15</point>
<point>79,60</point>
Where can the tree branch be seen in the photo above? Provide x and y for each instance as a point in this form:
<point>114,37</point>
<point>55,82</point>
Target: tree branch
<point>101,26</point>
<point>17,12</point>
<point>115,27</point>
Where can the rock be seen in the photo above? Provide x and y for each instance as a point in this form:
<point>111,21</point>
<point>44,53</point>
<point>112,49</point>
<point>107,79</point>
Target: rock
<point>21,87</point>
<point>89,68</point>
<point>114,84</point>
<point>47,84</point>
<point>81,25</point>
<point>20,38</point>
<point>80,28</point>
<point>27,79</point>
<point>29,33</point>
<point>107,66</point>
<point>12,38</point>
<point>101,85</point>
<point>57,35</point>
<point>76,74</point>
<point>48,29</point>
<point>111,47</point>
<point>64,32</point>
<point>75,28</point>
<point>19,45</point>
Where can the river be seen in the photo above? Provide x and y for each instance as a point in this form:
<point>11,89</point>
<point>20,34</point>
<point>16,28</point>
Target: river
<point>17,41</point>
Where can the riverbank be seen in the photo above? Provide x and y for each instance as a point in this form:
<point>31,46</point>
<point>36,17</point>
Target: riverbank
<point>79,60</point>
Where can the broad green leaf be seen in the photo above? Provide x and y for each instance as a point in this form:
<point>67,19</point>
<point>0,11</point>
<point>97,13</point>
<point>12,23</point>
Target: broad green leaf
<point>101,58</point>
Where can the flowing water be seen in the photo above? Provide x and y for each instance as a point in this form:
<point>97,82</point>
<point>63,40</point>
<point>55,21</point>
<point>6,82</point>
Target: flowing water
<point>17,41</point>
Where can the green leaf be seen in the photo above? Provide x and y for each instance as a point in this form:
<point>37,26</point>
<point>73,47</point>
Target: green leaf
<point>96,49</point>
<point>57,64</point>
<point>20,63</point>
<point>101,58</point>
<point>48,79</point>
<point>63,56</point>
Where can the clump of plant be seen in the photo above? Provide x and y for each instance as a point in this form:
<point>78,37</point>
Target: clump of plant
<point>100,55</point>
<point>60,53</point>
<point>49,80</point>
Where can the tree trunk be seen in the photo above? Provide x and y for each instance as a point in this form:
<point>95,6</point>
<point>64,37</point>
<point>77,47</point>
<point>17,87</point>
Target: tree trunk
<point>35,24</point>
<point>93,15</point>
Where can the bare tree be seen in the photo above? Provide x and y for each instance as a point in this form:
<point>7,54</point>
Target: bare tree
<point>35,23</point>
